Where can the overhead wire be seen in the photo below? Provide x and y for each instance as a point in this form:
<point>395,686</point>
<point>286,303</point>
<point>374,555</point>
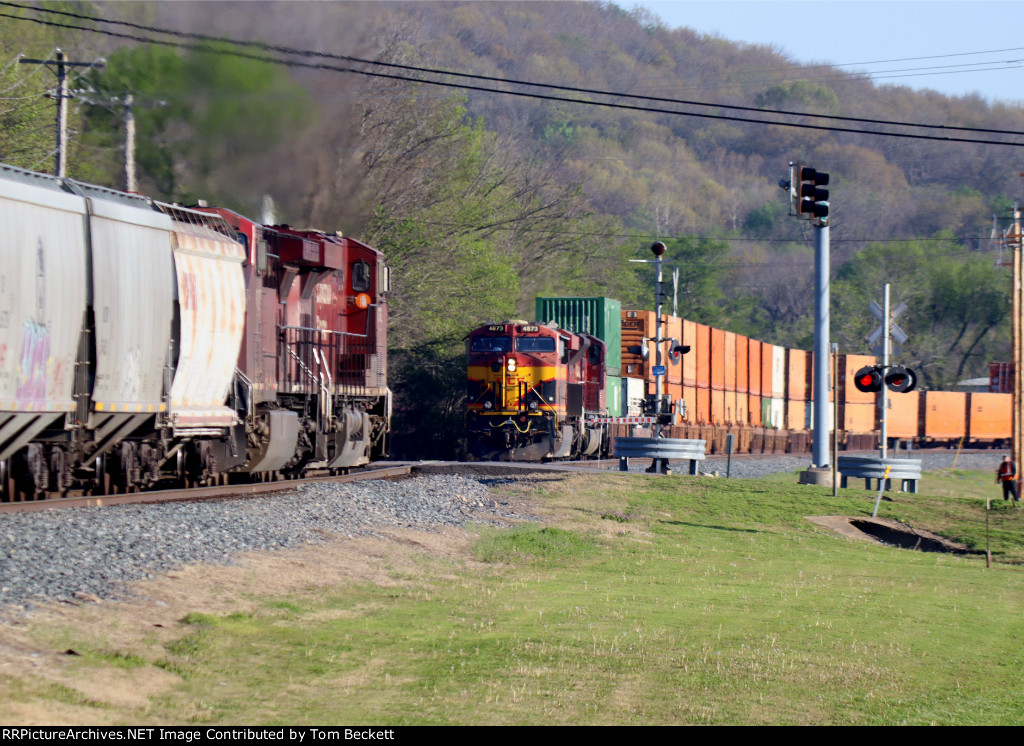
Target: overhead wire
<point>524,94</point>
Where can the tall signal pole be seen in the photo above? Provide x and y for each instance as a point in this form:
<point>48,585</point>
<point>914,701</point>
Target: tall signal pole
<point>808,200</point>
<point>1014,243</point>
<point>61,94</point>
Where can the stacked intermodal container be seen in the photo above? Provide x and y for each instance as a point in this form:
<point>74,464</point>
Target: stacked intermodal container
<point>1000,378</point>
<point>764,393</point>
<point>901,414</point>
<point>943,415</point>
<point>600,317</point>
<point>989,419</point>
<point>754,381</point>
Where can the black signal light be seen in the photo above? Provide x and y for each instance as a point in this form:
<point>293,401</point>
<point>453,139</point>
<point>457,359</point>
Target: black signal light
<point>810,199</point>
<point>868,379</point>
<point>900,379</point>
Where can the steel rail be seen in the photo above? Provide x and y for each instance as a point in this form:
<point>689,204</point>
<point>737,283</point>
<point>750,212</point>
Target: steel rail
<point>200,493</point>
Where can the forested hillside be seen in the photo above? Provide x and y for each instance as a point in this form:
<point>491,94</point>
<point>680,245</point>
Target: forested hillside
<point>482,200</point>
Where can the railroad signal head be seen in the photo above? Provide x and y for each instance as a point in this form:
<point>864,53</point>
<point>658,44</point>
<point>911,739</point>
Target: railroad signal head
<point>676,351</point>
<point>811,198</point>
<point>868,379</point>
<point>900,379</point>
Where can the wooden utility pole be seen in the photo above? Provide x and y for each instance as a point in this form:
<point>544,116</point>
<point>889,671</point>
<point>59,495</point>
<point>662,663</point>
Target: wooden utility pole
<point>1013,242</point>
<point>61,94</point>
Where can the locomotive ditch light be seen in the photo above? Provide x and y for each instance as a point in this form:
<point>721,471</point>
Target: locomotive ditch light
<point>900,379</point>
<point>868,379</point>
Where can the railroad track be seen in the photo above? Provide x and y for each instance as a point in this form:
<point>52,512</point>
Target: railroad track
<point>400,469</point>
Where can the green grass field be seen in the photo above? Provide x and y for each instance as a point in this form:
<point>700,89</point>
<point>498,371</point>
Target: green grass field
<point>640,600</point>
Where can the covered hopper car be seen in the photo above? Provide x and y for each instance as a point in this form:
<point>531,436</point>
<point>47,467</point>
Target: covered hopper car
<point>143,342</point>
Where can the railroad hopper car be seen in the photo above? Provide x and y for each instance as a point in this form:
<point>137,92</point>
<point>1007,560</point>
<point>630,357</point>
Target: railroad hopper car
<point>531,389</point>
<point>130,352</point>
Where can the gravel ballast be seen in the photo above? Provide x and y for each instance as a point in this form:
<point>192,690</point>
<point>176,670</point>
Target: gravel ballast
<point>64,555</point>
<point>90,553</point>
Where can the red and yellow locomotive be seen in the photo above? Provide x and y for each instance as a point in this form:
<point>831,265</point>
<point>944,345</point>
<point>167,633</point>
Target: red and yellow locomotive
<point>532,391</point>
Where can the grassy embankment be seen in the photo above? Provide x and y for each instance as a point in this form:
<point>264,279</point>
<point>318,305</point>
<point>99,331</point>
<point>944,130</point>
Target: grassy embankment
<point>639,600</point>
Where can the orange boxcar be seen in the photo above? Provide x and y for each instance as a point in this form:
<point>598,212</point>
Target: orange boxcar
<point>901,414</point>
<point>943,415</point>
<point>796,414</point>
<point>742,414</point>
<point>703,406</point>
<point>754,408</point>
<point>754,371</point>
<point>848,392</point>
<point>796,375</point>
<point>730,361</point>
<point>717,407</point>
<point>991,416</point>
<point>742,364</point>
<point>690,358</point>
<point>857,417</point>
<point>718,359</point>
<point>703,355</point>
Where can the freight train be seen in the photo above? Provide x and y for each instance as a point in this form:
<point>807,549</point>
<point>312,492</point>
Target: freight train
<point>725,383</point>
<point>144,343</point>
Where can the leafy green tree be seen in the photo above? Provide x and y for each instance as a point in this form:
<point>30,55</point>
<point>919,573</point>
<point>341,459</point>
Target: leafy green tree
<point>957,306</point>
<point>202,119</point>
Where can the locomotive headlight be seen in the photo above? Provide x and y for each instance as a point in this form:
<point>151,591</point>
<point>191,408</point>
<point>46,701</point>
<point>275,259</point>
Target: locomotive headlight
<point>533,405</point>
<point>487,405</point>
<point>511,365</point>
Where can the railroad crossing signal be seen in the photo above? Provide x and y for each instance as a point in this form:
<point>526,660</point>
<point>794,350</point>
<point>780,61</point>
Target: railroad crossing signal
<point>870,379</point>
<point>894,331</point>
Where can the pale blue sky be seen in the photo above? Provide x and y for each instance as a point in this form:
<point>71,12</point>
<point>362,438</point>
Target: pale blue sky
<point>861,31</point>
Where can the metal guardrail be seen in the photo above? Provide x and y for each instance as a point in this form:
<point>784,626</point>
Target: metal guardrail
<point>907,470</point>
<point>659,448</point>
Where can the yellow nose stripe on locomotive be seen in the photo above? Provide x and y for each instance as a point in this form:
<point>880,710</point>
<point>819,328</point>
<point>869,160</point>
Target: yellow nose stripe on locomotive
<point>525,377</point>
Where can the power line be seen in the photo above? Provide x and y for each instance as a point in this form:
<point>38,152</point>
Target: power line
<point>522,94</point>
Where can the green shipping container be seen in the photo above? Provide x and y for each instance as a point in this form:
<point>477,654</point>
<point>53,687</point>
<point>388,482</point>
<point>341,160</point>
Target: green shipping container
<point>601,317</point>
<point>614,396</point>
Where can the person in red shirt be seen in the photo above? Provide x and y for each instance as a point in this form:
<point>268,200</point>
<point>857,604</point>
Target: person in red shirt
<point>1007,474</point>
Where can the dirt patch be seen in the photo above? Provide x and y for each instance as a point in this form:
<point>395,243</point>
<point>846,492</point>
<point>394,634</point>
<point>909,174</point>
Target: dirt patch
<point>888,532</point>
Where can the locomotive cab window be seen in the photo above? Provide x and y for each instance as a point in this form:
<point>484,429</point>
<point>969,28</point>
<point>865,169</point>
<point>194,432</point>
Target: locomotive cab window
<point>594,355</point>
<point>535,344</point>
<point>360,277</point>
<point>492,344</point>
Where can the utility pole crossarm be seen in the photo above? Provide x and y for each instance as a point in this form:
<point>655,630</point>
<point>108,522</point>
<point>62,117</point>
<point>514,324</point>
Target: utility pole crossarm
<point>59,67</point>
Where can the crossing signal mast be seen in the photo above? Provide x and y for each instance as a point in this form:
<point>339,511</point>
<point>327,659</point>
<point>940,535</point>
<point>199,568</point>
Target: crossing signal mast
<point>808,200</point>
